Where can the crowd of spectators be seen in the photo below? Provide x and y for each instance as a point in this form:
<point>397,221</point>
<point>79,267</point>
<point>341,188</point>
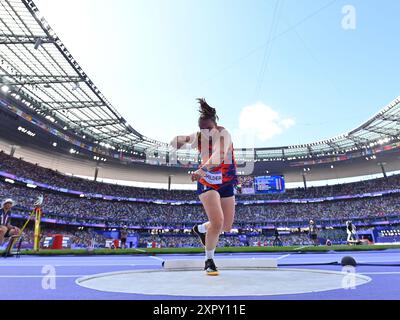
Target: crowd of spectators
<point>36,173</point>
<point>300,239</point>
<point>89,238</point>
<point>335,235</point>
<point>78,238</point>
<point>75,209</point>
<point>184,241</point>
<point>68,209</point>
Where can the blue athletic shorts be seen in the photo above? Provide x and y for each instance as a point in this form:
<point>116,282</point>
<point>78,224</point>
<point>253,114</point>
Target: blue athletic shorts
<point>225,191</point>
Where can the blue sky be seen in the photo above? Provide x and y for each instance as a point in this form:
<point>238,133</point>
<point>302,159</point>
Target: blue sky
<point>279,72</point>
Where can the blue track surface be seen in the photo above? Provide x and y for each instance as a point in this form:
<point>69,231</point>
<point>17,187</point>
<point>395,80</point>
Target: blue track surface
<point>22,278</point>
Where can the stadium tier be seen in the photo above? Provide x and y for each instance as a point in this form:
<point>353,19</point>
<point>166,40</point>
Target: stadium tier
<point>22,171</point>
<point>373,201</point>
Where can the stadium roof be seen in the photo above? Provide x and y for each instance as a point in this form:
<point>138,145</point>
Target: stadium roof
<point>37,68</point>
<point>381,129</point>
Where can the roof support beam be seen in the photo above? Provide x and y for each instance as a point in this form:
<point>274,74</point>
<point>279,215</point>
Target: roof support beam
<point>114,134</point>
<point>392,118</point>
<point>95,123</point>
<point>21,40</point>
<point>36,80</point>
<point>58,105</point>
<point>391,134</point>
<point>310,150</point>
<point>358,140</point>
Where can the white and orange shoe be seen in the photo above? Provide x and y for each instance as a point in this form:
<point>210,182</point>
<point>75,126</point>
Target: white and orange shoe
<point>210,268</point>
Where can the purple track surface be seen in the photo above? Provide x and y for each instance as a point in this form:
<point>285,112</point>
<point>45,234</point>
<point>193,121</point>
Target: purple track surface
<point>21,278</point>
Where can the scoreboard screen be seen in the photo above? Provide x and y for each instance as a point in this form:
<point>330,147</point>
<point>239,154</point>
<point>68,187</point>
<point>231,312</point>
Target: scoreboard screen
<point>269,184</point>
<point>261,185</point>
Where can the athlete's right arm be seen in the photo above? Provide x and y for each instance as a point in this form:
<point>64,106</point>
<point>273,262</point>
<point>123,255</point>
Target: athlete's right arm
<point>181,141</point>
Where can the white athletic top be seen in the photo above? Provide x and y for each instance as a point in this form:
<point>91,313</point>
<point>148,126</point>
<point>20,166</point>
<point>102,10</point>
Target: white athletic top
<point>5,217</point>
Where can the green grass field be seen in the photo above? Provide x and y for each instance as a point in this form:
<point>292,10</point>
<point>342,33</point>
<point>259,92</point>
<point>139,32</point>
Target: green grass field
<point>295,249</point>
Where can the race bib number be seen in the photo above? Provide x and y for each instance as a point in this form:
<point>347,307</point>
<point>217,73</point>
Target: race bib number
<point>213,177</point>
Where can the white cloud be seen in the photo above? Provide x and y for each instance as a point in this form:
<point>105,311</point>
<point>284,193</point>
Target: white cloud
<point>287,123</point>
<point>262,123</point>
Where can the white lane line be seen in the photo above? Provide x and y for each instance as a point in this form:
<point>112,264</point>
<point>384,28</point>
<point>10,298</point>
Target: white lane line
<point>378,273</point>
<point>136,256</point>
<point>299,248</point>
<point>140,250</point>
<point>157,258</point>
<point>63,263</point>
<point>283,257</point>
<point>381,261</point>
<point>42,276</point>
<point>79,265</point>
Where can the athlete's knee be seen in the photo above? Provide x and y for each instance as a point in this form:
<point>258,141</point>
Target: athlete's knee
<point>216,224</point>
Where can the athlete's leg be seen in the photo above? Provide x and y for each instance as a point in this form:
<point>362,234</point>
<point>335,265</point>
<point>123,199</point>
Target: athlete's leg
<point>228,208</point>
<point>211,201</point>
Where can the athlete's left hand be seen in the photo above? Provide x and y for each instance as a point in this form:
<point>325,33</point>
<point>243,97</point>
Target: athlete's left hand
<point>196,176</point>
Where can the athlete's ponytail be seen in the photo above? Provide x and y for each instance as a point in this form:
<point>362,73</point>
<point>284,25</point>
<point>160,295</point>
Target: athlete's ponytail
<point>207,112</point>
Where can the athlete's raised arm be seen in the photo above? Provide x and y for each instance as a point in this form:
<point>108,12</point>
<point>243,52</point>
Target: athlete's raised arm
<point>180,142</point>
